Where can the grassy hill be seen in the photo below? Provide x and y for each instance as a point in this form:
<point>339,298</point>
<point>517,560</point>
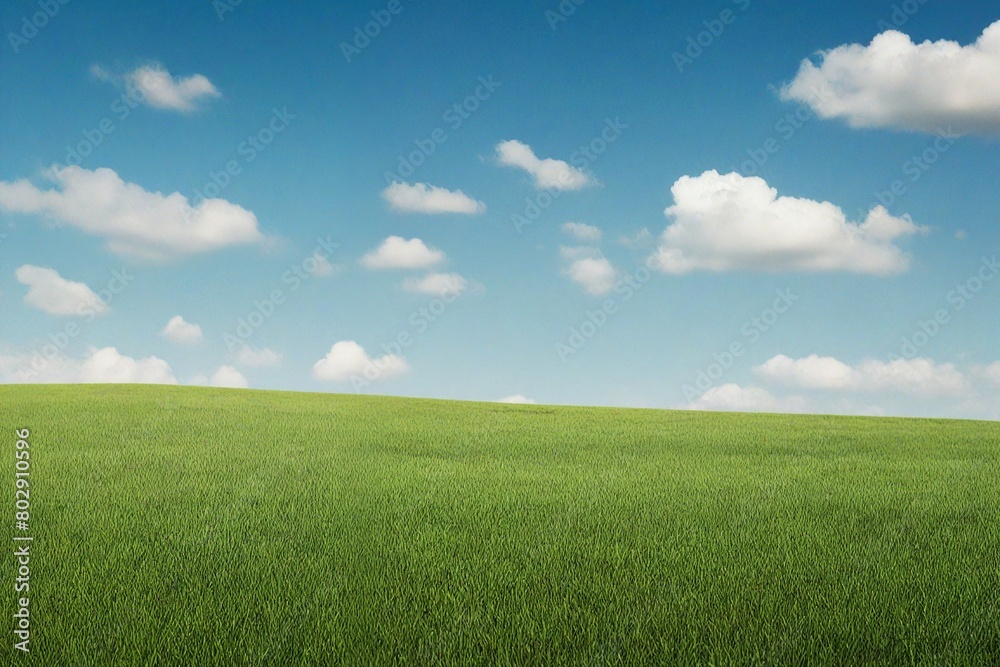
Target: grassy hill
<point>218,527</point>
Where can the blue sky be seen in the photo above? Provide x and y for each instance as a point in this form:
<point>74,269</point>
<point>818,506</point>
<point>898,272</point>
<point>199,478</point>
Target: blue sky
<point>309,129</point>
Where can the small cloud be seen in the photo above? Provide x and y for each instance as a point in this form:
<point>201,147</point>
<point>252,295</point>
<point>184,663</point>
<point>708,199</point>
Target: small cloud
<point>517,399</point>
<point>428,199</point>
<point>398,253</point>
<point>549,174</point>
<point>53,294</point>
<point>154,86</point>
<point>595,274</point>
<point>582,232</point>
<point>347,359</point>
<point>437,284</point>
<point>182,332</point>
<point>228,377</point>
<point>734,398</point>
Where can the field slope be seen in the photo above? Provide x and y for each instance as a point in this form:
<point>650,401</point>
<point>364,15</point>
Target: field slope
<point>217,527</point>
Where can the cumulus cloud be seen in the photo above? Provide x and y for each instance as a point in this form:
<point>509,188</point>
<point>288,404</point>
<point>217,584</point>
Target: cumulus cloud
<point>180,331</point>
<point>398,253</point>
<point>258,357</point>
<point>910,376</point>
<point>582,232</point>
<point>734,398</point>
<point>595,274</point>
<point>154,86</point>
<point>437,284</point>
<point>732,222</point>
<point>347,360</point>
<point>228,377</point>
<point>133,221</point>
<point>423,198</point>
<point>517,399</point>
<point>929,87</point>
<point>106,365</point>
<point>549,174</point>
<point>53,294</point>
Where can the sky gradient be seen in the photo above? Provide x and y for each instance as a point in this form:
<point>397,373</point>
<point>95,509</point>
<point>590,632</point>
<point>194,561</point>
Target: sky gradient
<point>717,205</point>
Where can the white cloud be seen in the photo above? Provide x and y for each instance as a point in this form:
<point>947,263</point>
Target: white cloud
<point>913,376</point>
<point>347,359</point>
<point>154,86</point>
<point>258,357</point>
<point>182,332</point>
<point>517,399</point>
<point>549,174</point>
<point>930,87</point>
<point>53,294</point>
<point>731,222</point>
<point>595,274</point>
<point>398,253</point>
<point>734,398</point>
<point>437,284</point>
<point>133,221</point>
<point>582,232</point>
<point>99,366</point>
<point>229,377</point>
<point>423,198</point>
<point>108,365</point>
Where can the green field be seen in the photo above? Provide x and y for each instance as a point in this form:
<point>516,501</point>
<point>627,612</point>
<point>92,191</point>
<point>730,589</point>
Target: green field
<point>193,526</point>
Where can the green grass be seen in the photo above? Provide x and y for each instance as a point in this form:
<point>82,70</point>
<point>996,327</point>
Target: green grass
<point>192,526</point>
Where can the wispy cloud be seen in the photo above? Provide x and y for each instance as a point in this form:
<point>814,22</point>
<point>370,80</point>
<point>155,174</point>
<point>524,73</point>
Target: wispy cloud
<point>428,199</point>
